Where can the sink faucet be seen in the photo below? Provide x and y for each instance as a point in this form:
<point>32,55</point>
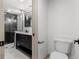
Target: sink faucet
<point>27,31</point>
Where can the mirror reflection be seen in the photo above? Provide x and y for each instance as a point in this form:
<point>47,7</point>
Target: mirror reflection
<point>18,29</point>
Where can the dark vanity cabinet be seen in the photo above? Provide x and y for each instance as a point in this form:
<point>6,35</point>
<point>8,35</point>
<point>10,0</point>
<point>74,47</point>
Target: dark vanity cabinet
<point>24,43</point>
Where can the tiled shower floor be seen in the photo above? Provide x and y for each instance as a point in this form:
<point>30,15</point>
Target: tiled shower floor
<point>12,53</point>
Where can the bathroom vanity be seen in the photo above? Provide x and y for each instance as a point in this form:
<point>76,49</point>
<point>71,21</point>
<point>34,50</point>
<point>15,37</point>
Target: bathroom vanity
<point>23,42</point>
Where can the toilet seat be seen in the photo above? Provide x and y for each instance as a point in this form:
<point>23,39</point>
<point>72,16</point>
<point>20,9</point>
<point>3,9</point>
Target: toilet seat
<point>58,55</point>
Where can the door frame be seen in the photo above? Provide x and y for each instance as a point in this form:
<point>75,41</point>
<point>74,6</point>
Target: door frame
<point>35,29</point>
<point>1,30</point>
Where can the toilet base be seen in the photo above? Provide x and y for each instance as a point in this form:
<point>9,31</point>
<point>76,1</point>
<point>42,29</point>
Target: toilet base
<point>58,55</point>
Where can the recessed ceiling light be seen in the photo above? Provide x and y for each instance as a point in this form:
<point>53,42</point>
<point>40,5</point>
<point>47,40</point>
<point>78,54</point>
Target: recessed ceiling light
<point>21,0</point>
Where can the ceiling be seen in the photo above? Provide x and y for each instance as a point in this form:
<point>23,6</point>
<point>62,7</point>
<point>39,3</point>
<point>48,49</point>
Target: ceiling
<point>16,5</point>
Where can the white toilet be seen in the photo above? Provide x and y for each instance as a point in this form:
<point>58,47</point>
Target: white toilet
<point>62,49</point>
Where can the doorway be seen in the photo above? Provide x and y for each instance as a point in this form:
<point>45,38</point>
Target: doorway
<point>18,29</point>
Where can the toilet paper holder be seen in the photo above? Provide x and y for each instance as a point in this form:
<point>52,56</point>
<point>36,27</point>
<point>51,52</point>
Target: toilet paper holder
<point>76,41</point>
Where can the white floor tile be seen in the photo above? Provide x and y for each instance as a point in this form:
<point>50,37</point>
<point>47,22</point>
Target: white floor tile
<point>13,53</point>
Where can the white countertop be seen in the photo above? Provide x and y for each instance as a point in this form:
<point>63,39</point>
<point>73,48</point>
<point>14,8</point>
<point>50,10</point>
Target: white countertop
<point>21,32</point>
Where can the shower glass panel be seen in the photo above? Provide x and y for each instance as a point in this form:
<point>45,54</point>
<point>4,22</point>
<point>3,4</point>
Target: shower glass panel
<point>10,27</point>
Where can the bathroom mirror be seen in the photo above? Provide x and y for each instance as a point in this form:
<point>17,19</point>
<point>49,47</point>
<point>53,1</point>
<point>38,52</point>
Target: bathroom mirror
<point>18,29</point>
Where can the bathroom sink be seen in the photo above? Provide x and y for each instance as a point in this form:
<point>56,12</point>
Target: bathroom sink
<point>21,32</point>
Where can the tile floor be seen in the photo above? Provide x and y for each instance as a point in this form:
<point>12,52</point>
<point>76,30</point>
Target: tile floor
<point>12,53</point>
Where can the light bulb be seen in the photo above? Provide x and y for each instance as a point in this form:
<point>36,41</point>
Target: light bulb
<point>9,10</point>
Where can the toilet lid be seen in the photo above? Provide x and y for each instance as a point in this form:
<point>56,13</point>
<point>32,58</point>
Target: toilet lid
<point>58,55</point>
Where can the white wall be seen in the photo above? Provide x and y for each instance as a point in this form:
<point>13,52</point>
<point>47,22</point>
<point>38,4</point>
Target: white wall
<point>62,21</point>
<point>42,28</point>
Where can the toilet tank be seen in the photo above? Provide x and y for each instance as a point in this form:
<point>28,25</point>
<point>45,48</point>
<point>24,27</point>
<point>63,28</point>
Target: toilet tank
<point>63,45</point>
